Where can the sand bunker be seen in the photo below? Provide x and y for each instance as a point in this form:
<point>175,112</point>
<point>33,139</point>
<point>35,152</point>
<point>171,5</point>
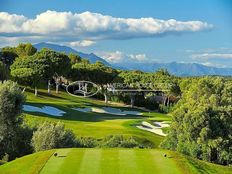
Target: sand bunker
<point>82,109</point>
<point>156,128</point>
<point>45,109</point>
<point>108,110</point>
<point>132,113</point>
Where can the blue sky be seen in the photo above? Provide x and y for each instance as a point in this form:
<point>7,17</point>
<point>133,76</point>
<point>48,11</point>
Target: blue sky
<point>123,41</point>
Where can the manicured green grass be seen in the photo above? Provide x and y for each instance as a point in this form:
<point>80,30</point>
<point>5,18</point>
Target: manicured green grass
<point>30,164</point>
<point>110,161</point>
<point>91,124</point>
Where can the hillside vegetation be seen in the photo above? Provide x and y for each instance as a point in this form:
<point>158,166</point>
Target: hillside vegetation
<point>37,114</point>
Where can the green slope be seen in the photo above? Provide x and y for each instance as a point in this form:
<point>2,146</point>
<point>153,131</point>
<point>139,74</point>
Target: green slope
<point>110,161</point>
<point>90,124</point>
<point>30,164</point>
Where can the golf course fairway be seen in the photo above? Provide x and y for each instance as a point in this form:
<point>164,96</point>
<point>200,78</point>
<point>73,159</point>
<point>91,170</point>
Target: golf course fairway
<point>110,161</point>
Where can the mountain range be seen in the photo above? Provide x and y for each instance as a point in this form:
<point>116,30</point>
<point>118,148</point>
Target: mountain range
<point>179,69</point>
<point>60,48</point>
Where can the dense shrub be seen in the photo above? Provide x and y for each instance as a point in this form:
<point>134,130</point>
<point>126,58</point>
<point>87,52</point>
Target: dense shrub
<point>24,136</point>
<point>51,135</point>
<point>202,119</point>
<point>112,141</point>
<point>11,101</point>
<point>129,143</point>
<point>165,109</point>
<point>68,139</point>
<point>3,71</point>
<point>86,142</point>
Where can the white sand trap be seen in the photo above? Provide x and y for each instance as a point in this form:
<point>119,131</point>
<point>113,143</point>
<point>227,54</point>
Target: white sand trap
<point>108,110</point>
<point>83,109</point>
<point>99,110</point>
<point>113,111</point>
<point>154,129</point>
<point>161,124</point>
<point>132,113</point>
<point>49,110</point>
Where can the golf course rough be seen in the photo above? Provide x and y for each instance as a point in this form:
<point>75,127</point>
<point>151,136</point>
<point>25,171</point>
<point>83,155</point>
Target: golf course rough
<point>110,161</point>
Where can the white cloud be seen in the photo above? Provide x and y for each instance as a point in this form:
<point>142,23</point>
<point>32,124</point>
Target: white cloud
<point>211,64</point>
<point>138,57</point>
<point>113,57</point>
<point>119,57</point>
<point>67,26</point>
<point>206,56</point>
<point>214,59</point>
<point>13,41</point>
<point>10,23</point>
<point>82,43</point>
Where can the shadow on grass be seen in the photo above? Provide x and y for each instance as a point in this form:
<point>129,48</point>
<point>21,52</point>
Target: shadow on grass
<point>200,167</point>
<point>42,94</point>
<point>73,115</point>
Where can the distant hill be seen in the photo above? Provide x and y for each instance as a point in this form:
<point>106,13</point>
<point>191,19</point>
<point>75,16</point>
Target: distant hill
<point>91,57</point>
<point>180,69</point>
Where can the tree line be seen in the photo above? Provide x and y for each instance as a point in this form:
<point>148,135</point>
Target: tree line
<point>35,69</point>
<point>202,120</point>
<point>201,107</point>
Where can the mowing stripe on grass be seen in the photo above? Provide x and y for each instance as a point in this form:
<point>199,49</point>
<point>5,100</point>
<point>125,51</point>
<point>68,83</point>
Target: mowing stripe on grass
<point>110,161</point>
<point>127,162</point>
<point>164,165</point>
<point>91,162</point>
<point>54,164</point>
<point>74,161</point>
<point>145,161</point>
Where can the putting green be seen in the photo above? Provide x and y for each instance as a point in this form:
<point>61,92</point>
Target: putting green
<point>110,161</point>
